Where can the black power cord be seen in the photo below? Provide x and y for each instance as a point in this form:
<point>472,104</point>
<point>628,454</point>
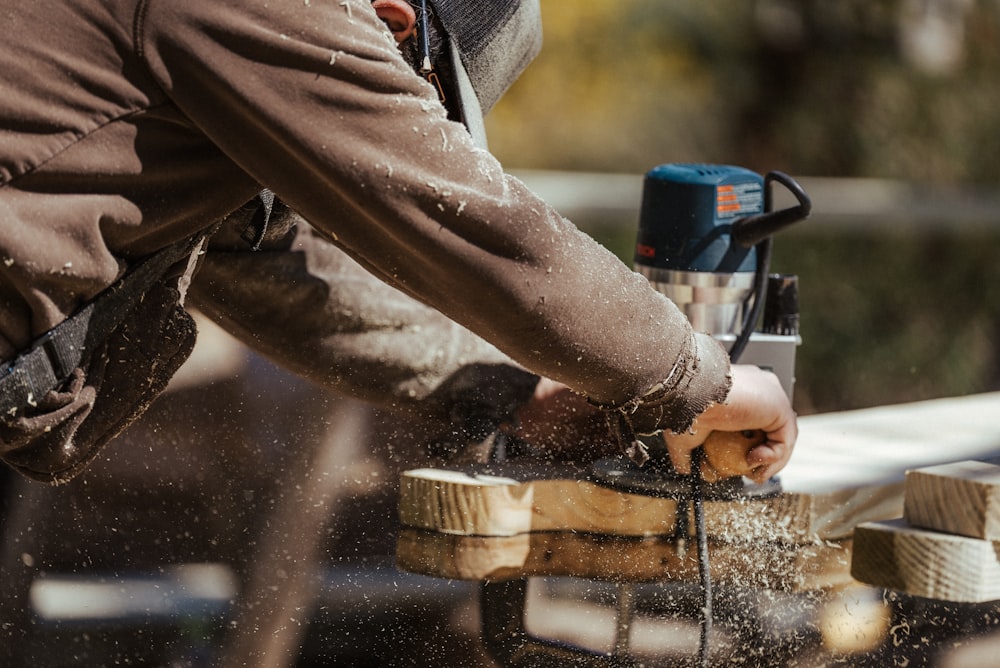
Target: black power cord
<point>758,231</point>
<point>754,231</point>
<point>704,573</point>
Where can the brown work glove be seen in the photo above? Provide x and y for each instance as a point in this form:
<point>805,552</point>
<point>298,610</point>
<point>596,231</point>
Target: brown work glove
<point>56,439</point>
<point>563,425</point>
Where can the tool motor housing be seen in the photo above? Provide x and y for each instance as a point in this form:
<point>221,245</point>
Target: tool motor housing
<point>684,247</point>
<point>689,249</point>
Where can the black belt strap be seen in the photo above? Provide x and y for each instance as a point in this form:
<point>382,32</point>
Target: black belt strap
<point>256,229</point>
<point>53,356</point>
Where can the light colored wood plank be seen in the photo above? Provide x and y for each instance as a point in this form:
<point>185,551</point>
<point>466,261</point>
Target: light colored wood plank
<point>518,498</point>
<point>629,559</point>
<point>478,500</point>
<point>961,498</point>
<point>876,446</point>
<point>848,468</point>
<point>894,555</point>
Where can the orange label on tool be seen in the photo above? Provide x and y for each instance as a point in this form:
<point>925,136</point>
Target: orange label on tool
<point>739,199</point>
<point>643,250</point>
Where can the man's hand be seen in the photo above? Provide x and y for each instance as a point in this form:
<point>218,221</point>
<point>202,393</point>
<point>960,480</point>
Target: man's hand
<point>756,403</point>
<point>752,434</point>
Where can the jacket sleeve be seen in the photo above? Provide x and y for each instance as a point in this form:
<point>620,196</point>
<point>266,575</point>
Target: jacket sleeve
<point>313,101</point>
<point>305,304</point>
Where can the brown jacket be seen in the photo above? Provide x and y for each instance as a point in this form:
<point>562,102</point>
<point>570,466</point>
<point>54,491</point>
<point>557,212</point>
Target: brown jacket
<point>126,125</point>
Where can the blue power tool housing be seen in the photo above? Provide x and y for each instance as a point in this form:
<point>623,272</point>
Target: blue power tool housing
<point>687,214</point>
<point>704,241</point>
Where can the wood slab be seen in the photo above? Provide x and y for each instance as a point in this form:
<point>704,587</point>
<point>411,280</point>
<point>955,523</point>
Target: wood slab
<point>961,498</point>
<point>848,468</point>
<point>771,566</point>
<point>513,498</point>
<point>894,555</point>
<point>472,524</point>
<point>874,447</point>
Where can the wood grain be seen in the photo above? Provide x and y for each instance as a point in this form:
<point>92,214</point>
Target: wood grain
<point>848,469</point>
<point>520,498</point>
<point>961,498</point>
<point>622,559</point>
<point>894,555</point>
<point>491,500</point>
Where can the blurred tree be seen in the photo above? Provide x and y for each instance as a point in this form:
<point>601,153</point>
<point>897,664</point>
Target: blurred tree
<point>901,89</point>
<point>896,88</point>
<point>611,91</point>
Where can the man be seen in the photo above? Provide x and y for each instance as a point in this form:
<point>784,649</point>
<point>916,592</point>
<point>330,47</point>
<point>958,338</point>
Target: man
<point>126,127</point>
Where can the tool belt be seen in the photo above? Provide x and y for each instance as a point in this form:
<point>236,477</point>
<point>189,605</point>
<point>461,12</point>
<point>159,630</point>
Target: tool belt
<point>131,339</point>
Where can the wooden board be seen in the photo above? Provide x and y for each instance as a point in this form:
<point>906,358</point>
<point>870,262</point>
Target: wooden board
<point>961,498</point>
<point>508,499</point>
<point>773,566</point>
<point>894,555</point>
<point>513,498</point>
<point>848,468</point>
<point>874,447</point>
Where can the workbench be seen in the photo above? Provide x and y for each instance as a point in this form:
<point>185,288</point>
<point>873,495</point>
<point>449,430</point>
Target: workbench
<point>775,560</point>
<point>508,520</point>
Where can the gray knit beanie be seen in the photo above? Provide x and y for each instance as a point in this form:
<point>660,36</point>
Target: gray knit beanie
<point>492,42</point>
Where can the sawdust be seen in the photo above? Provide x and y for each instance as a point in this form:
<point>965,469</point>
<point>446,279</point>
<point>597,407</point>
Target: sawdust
<point>758,551</point>
<point>785,598</point>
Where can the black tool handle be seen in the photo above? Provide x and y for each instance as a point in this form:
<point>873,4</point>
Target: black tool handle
<point>751,230</point>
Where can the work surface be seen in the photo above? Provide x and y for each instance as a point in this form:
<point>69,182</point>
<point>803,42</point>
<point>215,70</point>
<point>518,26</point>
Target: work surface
<point>876,446</point>
<point>511,520</point>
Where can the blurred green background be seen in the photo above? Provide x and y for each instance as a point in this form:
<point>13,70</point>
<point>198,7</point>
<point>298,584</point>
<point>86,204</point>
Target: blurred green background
<point>889,110</point>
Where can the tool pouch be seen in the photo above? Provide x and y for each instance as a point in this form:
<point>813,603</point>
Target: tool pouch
<point>55,439</point>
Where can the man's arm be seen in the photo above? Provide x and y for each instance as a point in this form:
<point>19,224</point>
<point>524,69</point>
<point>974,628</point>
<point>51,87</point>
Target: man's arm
<point>305,304</point>
<point>329,116</point>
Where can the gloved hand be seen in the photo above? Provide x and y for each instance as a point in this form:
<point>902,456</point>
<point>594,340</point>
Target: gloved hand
<point>564,425</point>
<point>71,425</point>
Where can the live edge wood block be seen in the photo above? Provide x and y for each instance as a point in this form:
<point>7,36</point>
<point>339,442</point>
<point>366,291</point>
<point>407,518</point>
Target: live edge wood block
<point>522,520</point>
<point>516,520</point>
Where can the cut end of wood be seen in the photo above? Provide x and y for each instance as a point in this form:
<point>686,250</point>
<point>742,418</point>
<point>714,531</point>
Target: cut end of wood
<point>961,498</point>
<point>895,555</point>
